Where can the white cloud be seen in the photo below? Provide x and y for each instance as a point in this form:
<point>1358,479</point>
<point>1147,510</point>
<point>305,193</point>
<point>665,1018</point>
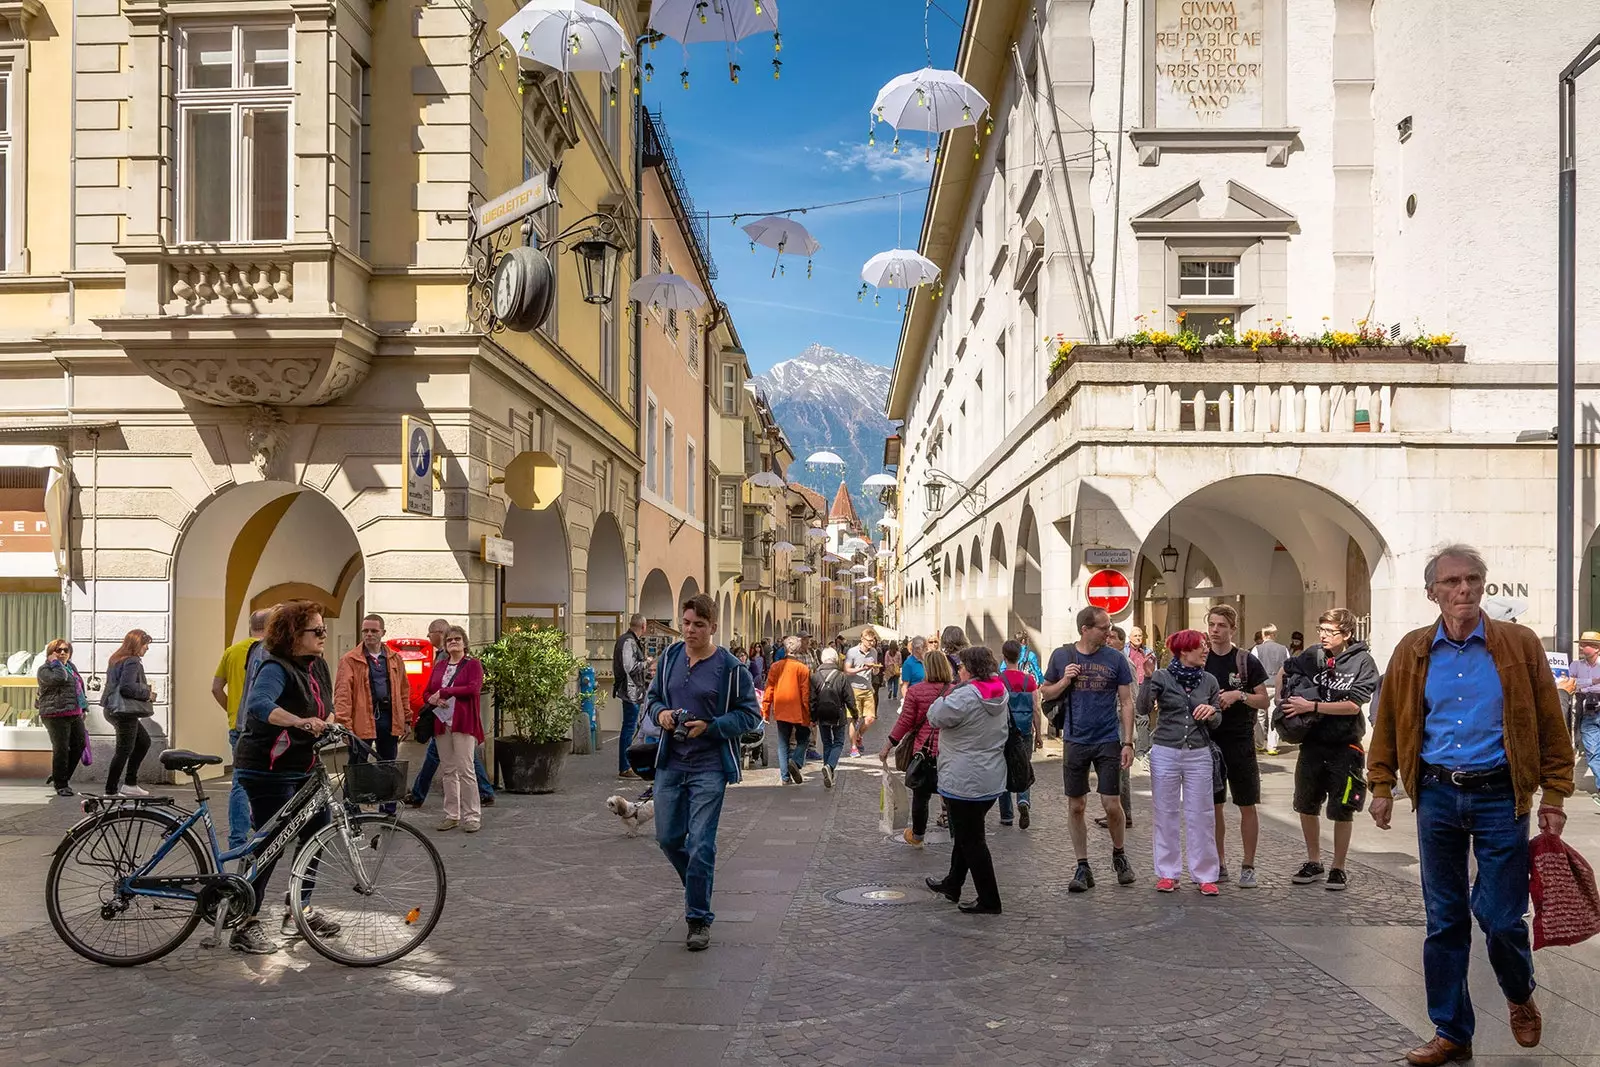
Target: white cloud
<point>881,161</point>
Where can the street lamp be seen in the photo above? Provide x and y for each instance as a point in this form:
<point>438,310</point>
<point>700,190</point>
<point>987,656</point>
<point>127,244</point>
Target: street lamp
<point>1169,555</point>
<point>597,267</point>
<point>934,486</point>
<point>768,539</point>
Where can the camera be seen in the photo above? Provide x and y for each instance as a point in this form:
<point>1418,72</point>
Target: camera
<point>680,732</point>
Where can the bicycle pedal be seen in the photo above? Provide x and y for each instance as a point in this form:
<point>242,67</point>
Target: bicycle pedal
<point>210,941</point>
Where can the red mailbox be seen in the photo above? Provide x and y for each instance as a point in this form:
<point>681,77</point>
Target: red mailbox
<point>417,655</point>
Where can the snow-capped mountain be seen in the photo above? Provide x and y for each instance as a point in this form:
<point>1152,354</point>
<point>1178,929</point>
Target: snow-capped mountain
<point>824,398</point>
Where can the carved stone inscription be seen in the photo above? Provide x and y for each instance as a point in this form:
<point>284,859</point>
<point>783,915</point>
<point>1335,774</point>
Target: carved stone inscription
<point>1208,63</point>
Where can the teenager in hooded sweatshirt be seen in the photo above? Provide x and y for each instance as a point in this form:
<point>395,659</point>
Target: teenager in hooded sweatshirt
<point>1331,763</point>
<point>973,721</point>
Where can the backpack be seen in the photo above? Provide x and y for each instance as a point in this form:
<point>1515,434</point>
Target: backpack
<point>1020,704</point>
<point>830,698</point>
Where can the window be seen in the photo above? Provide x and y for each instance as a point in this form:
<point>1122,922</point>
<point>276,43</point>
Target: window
<point>727,509</point>
<point>694,343</point>
<point>608,345</point>
<point>750,520</point>
<point>655,251</point>
<point>690,503</point>
<point>1207,277</point>
<point>730,389</point>
<point>672,315</point>
<point>650,445</point>
<point>234,98</point>
<point>5,167</point>
<point>361,159</point>
<point>611,113</point>
<point>669,452</point>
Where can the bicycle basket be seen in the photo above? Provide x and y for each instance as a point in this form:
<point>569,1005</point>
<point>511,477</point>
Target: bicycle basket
<point>383,782</point>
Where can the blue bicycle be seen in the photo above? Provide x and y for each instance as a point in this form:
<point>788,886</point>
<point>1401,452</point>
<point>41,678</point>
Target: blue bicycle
<point>133,879</point>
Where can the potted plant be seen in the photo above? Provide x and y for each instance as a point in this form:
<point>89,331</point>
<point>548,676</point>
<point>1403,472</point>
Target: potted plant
<point>530,672</point>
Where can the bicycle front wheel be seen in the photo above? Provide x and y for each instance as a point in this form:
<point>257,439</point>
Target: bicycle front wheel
<point>382,884</point>
<point>101,921</point>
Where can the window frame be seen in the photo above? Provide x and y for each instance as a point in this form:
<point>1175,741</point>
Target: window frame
<point>652,418</point>
<point>13,146</point>
<point>730,388</point>
<point>669,463</point>
<point>1210,280</point>
<point>691,456</point>
<point>361,158</point>
<point>728,509</point>
<point>236,100</point>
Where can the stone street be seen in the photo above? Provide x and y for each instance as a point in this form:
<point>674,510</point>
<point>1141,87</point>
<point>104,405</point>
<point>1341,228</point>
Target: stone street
<point>562,943</point>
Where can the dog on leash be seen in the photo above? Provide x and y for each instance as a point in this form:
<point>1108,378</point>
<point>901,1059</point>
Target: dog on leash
<point>633,813</point>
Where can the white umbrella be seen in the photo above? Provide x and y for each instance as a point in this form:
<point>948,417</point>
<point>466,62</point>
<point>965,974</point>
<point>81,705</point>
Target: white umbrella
<point>699,21</point>
<point>816,533</point>
<point>803,568</point>
<point>783,546</point>
<point>885,552</point>
<point>929,99</point>
<point>668,292</point>
<point>829,557</point>
<point>899,268</point>
<point>824,458</point>
<point>887,522</point>
<point>856,544</point>
<point>783,235</point>
<point>765,480</point>
<point>859,568</point>
<point>878,481</point>
<point>567,35</point>
<point>860,580</point>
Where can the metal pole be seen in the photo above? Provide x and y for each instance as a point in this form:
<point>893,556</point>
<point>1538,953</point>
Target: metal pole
<point>1565,365</point>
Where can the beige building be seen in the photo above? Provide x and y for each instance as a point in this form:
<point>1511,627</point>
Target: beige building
<point>236,252</point>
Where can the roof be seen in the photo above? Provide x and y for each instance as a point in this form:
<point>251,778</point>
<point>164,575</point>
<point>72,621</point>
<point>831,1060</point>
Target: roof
<point>811,497</point>
<point>844,509</point>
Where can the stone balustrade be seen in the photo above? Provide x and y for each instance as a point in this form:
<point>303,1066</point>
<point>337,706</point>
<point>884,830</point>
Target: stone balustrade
<point>247,281</point>
<point>1289,408</point>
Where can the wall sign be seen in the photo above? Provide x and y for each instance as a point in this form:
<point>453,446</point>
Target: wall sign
<point>1108,557</point>
<point>497,550</point>
<point>513,205</point>
<point>1209,67</point>
<point>417,459</point>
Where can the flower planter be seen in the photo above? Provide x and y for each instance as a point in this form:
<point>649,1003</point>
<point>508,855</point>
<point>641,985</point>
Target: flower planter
<point>1289,353</point>
<point>530,766</point>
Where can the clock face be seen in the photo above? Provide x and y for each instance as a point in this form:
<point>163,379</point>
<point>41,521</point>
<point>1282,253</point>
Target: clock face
<point>507,280</point>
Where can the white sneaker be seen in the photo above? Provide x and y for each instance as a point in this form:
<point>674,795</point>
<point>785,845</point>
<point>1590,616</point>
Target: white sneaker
<point>132,791</point>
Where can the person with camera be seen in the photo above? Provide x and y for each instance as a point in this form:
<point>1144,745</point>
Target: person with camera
<point>701,700</point>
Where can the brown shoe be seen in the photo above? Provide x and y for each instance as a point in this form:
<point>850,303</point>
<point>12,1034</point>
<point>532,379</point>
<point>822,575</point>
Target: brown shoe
<point>1439,1050</point>
<point>1526,1023</point>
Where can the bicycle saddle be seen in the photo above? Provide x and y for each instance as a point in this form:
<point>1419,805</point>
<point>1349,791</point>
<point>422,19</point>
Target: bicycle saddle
<point>182,760</point>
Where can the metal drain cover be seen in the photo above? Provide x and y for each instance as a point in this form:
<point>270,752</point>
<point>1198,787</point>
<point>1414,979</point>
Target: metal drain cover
<point>873,896</point>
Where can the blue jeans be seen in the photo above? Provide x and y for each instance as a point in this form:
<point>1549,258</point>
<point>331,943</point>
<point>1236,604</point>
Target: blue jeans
<point>386,744</point>
<point>791,744</point>
<point>1022,797</point>
<point>1589,738</point>
<point>834,735</point>
<point>238,804</point>
<point>1449,822</point>
<point>269,792</point>
<point>688,808</point>
<point>630,724</point>
<point>430,766</point>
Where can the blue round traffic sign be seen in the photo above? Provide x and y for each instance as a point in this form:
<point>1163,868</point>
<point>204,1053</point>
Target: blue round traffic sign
<point>421,453</point>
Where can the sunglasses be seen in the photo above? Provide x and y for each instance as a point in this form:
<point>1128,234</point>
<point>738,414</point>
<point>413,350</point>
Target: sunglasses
<point>320,631</point>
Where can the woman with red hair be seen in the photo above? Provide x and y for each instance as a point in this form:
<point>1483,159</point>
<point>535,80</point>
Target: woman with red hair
<point>1182,700</point>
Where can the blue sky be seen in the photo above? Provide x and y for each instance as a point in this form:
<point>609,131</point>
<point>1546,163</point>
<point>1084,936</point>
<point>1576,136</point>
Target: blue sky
<point>764,145</point>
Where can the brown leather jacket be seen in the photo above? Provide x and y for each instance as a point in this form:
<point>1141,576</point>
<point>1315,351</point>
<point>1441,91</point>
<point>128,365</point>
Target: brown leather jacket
<point>352,695</point>
<point>1538,747</point>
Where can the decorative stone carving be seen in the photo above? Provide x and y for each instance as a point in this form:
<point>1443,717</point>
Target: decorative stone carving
<point>267,434</point>
<point>249,378</point>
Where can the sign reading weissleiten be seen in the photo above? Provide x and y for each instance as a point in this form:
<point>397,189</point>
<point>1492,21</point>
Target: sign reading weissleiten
<point>1208,63</point>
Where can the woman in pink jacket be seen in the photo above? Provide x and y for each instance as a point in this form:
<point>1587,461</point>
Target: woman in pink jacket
<point>454,693</point>
<point>914,718</point>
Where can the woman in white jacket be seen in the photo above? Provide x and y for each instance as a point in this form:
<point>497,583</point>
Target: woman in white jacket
<point>973,721</point>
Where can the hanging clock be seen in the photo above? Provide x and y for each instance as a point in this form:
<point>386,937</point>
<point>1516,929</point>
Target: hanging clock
<point>524,289</point>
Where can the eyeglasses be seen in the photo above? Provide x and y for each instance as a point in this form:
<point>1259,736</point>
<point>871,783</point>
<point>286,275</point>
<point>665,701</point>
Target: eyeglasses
<point>320,631</point>
<point>1329,631</point>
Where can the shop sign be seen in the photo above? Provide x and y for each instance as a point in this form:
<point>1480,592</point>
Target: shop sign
<point>514,205</point>
<point>497,550</point>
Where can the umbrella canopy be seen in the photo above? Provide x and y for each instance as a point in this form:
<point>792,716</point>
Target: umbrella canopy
<point>929,99</point>
<point>853,633</point>
<point>859,568</point>
<point>887,522</point>
<point>879,481</point>
<point>698,21</point>
<point>816,533</point>
<point>765,480</point>
<point>824,458</point>
<point>829,557</point>
<point>855,544</point>
<point>783,546</point>
<point>861,580</point>
<point>567,35</point>
<point>783,235</point>
<point>668,292</point>
<point>803,568</point>
<point>899,268</point>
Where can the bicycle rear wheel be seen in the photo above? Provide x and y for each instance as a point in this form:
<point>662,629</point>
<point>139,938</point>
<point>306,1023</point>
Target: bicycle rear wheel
<point>384,885</point>
<point>112,927</point>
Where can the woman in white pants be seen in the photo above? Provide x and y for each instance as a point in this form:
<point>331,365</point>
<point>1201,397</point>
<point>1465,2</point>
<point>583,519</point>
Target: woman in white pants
<point>1182,698</point>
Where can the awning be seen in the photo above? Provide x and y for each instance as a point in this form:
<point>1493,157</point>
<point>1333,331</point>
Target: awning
<point>57,508</point>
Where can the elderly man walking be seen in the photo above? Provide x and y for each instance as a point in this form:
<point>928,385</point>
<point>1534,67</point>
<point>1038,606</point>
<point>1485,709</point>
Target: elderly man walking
<point>1468,719</point>
<point>786,701</point>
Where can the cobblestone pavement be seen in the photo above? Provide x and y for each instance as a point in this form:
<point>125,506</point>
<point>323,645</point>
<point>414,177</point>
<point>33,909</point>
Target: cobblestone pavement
<point>562,943</point>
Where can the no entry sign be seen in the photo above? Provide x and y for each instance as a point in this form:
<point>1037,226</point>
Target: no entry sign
<point>1109,589</point>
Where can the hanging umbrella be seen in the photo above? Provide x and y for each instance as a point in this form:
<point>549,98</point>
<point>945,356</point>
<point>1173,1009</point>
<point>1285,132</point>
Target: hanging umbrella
<point>816,533</point>
<point>783,235</point>
<point>879,481</point>
<point>899,268</point>
<point>887,522</point>
<point>783,546</point>
<point>856,544</point>
<point>567,35</point>
<point>803,568</point>
<point>885,552</point>
<point>928,99</point>
<point>699,21</point>
<point>824,458</point>
<point>829,557</point>
<point>764,480</point>
<point>860,580</point>
<point>668,292</point>
<point>859,568</point>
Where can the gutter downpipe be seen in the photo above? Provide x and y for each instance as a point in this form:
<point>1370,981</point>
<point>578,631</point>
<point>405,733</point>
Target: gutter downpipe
<point>719,314</point>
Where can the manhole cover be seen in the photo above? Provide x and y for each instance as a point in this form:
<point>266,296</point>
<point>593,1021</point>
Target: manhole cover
<point>873,896</point>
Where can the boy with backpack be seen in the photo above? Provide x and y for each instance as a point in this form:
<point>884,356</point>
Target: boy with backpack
<point>1027,715</point>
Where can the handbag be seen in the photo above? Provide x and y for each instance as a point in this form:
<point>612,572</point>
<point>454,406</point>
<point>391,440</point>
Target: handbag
<point>426,726</point>
<point>1219,769</point>
<point>642,758</point>
<point>922,773</point>
<point>904,751</point>
<point>88,753</point>
<point>1019,761</point>
<point>1566,904</point>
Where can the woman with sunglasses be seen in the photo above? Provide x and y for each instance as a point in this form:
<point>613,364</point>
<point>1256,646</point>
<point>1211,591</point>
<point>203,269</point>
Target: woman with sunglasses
<point>288,708</point>
<point>454,691</point>
<point>62,704</point>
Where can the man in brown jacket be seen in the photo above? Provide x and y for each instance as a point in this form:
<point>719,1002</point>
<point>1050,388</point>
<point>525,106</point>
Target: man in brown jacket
<point>372,696</point>
<point>1468,718</point>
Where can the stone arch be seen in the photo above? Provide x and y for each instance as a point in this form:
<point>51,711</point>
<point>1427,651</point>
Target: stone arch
<point>689,588</point>
<point>539,584</point>
<point>1027,577</point>
<point>608,566</point>
<point>975,578</point>
<point>655,599</point>
<point>266,542</point>
<point>958,592</point>
<point>997,561</point>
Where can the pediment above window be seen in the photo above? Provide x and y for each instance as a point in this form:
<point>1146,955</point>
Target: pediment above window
<point>1242,212</point>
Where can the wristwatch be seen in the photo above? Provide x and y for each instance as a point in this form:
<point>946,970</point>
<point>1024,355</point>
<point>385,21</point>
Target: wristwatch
<point>1127,744</point>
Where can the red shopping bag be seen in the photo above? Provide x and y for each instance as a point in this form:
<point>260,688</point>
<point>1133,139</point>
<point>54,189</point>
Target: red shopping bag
<point>1566,904</point>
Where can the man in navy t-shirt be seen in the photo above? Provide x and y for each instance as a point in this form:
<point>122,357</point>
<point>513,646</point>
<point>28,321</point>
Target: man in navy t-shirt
<point>1097,683</point>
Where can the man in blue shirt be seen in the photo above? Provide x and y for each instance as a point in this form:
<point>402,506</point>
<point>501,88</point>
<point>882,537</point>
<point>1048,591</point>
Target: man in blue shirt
<point>911,669</point>
<point>701,700</point>
<point>1097,683</point>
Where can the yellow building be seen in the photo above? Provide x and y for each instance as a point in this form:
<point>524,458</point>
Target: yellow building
<point>236,253</point>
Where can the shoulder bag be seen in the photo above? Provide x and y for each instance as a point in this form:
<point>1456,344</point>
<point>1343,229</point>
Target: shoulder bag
<point>922,768</point>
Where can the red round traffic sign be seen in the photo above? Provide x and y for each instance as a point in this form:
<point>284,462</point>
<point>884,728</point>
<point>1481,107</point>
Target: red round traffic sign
<point>1109,590</point>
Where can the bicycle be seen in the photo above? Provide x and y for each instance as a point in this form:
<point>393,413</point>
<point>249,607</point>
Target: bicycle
<point>137,871</point>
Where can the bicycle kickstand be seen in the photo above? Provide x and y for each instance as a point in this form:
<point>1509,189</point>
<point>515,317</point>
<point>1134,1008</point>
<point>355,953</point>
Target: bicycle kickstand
<point>214,938</point>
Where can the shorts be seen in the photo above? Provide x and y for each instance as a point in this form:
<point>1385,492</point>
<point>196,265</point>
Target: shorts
<point>1106,759</point>
<point>866,704</point>
<point>1324,773</point>
<point>1241,770</point>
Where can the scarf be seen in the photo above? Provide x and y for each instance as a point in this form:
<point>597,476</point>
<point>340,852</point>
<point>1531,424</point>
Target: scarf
<point>1188,677</point>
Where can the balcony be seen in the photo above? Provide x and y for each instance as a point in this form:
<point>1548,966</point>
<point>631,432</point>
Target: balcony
<point>756,575</point>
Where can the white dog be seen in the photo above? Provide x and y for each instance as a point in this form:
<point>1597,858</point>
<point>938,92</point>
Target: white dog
<point>633,814</point>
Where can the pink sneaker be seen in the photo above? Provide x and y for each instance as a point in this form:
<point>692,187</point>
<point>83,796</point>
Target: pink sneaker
<point>1209,889</point>
<point>1166,885</point>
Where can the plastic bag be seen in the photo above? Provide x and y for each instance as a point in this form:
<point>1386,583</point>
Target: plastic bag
<point>1566,904</point>
<point>894,804</point>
